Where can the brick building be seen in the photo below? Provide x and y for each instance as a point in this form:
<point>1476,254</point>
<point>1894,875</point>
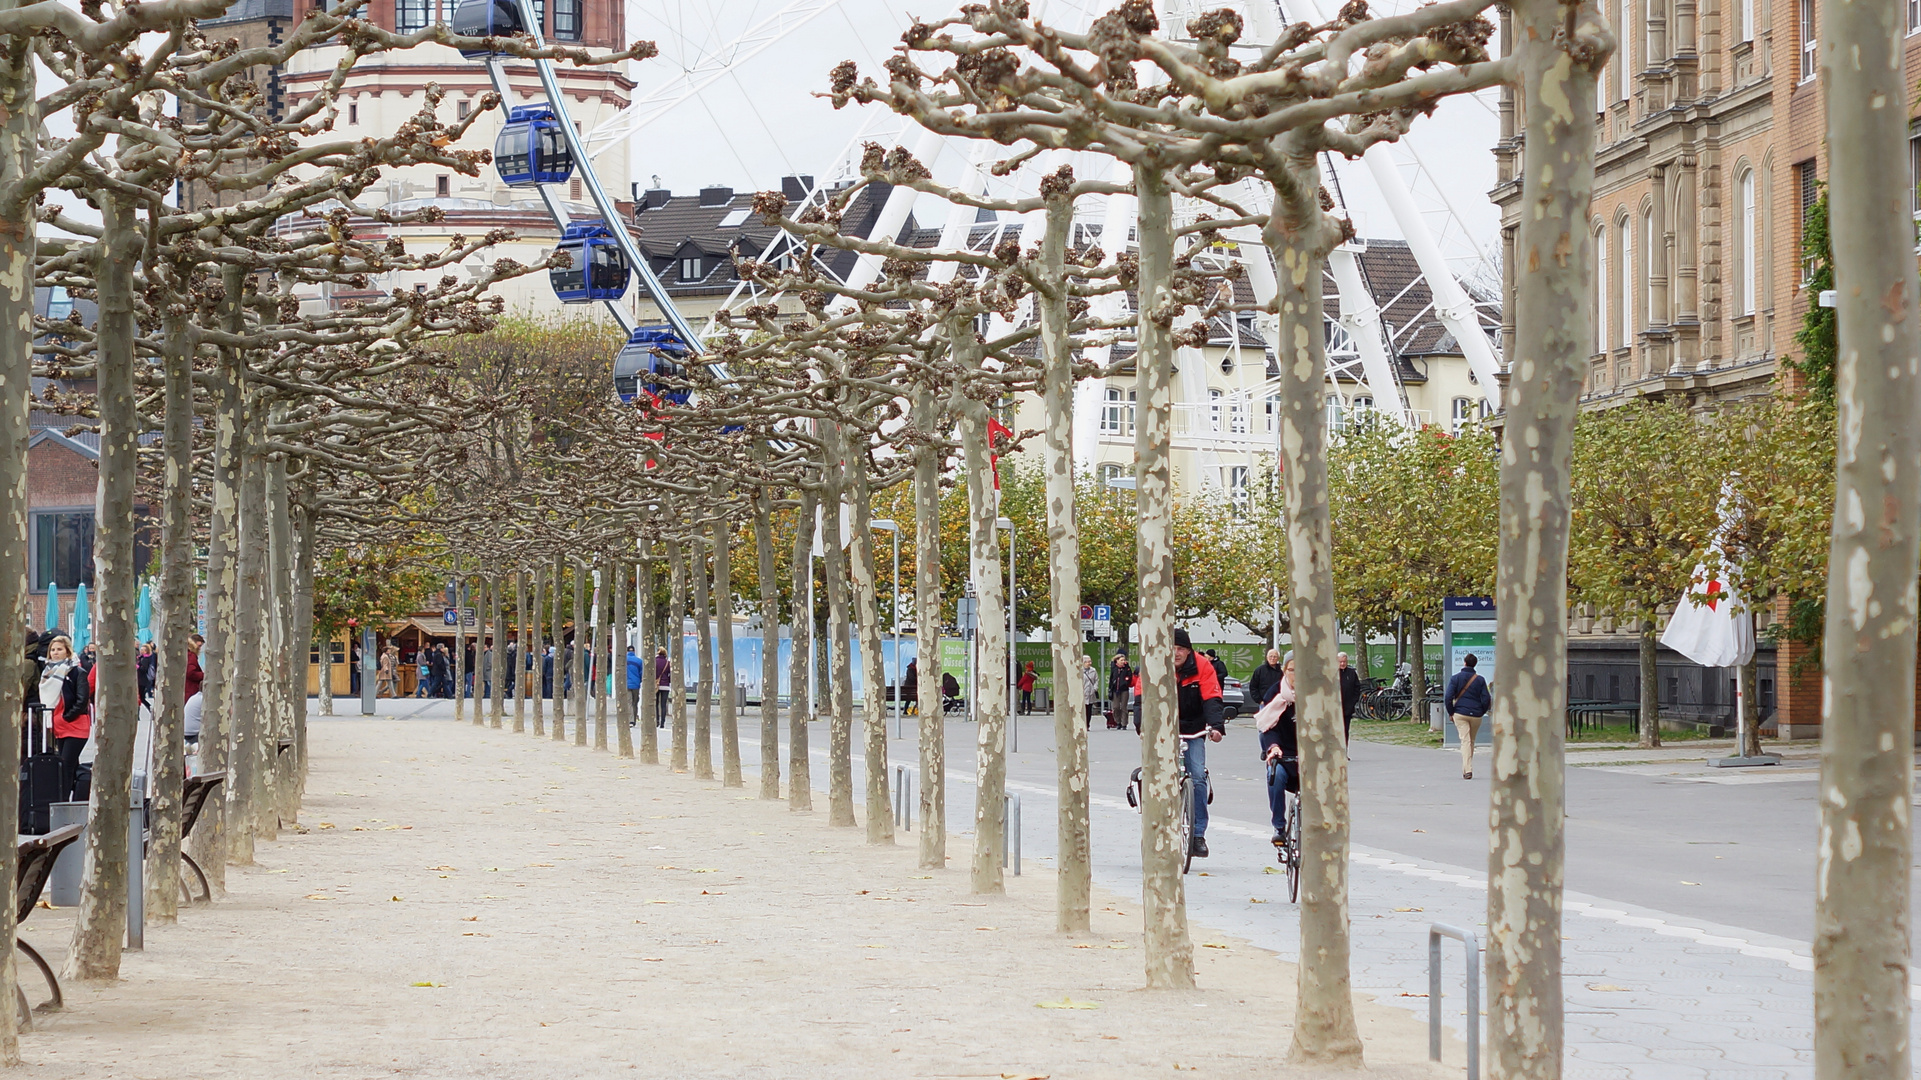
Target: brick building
<point>1710,153</point>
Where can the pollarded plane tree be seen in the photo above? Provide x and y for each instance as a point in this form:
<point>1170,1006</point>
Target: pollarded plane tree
<point>1201,110</point>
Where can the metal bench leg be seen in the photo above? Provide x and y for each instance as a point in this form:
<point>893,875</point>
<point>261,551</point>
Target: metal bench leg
<point>53,984</point>
<point>206,891</point>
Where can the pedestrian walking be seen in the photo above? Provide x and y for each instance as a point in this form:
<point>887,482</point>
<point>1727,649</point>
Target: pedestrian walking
<point>487,672</point>
<point>1467,702</point>
<point>388,673</point>
<point>663,674</point>
<point>1026,685</point>
<point>1265,680</point>
<point>195,674</point>
<point>1120,692</point>
<point>424,674</point>
<point>910,687</point>
<point>636,674</point>
<point>146,668</point>
<point>1090,688</point>
<point>470,669</point>
<point>1220,666</point>
<point>437,670</point>
<point>547,673</point>
<point>1350,697</point>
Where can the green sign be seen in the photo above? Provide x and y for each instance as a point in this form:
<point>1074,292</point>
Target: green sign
<point>953,657</point>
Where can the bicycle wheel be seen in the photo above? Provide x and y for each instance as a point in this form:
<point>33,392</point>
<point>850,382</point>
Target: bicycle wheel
<point>1294,851</point>
<point>1184,832</point>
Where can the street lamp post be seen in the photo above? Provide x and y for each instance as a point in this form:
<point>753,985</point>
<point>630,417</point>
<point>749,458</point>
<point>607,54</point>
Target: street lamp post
<point>894,527</point>
<point>1013,724</point>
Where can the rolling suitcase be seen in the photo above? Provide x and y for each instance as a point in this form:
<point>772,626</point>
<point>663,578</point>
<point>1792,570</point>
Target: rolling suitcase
<point>39,774</point>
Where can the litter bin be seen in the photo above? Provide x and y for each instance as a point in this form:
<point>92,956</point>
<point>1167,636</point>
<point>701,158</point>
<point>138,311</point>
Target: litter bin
<point>63,886</point>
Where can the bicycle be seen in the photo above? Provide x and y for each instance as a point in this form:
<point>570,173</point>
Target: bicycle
<point>1184,828</point>
<point>1288,851</point>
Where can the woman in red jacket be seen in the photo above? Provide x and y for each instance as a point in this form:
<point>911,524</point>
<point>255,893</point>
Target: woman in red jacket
<point>73,715</point>
<point>1026,686</point>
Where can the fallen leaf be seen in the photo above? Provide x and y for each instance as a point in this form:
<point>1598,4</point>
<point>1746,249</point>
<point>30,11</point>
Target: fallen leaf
<point>470,918</point>
<point>327,825</point>
<point>1420,830</point>
<point>873,946</point>
<point>428,984</point>
<point>666,866</point>
<point>1407,909</point>
<point>987,928</point>
<point>1067,1003</point>
<point>1083,946</point>
<point>396,899</point>
<point>652,959</point>
<point>318,896</point>
<point>1023,1076</point>
<point>1118,945</point>
<point>1690,883</point>
<point>1270,869</point>
<point>277,871</point>
<point>360,828</point>
<point>1212,945</point>
<point>1255,900</point>
<point>1607,987</point>
<point>540,864</point>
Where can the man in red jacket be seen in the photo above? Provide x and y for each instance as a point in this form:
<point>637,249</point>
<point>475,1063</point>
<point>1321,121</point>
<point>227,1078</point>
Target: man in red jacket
<point>194,675</point>
<point>1202,721</point>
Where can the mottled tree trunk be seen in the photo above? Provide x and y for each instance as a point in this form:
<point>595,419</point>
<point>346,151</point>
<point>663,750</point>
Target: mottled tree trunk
<point>244,652</point>
<point>1417,676</point>
<point>460,644</point>
<point>582,641</point>
<point>800,782</point>
<point>1169,949</point>
<point>273,798</point>
<point>162,876</point>
<point>101,924</point>
<point>730,775</point>
<point>603,633</point>
<point>497,671</point>
<point>704,643</point>
<point>537,650</point>
<point>305,555</point>
<point>520,654</point>
<point>990,650</point>
<point>1300,236</point>
<point>209,842</point>
<point>559,688</point>
<point>927,623</point>
<point>880,812</point>
<point>769,645</point>
<point>1073,880</point>
<point>675,632</point>
<point>1862,943</point>
<point>840,723</point>
<point>649,633</point>
<point>1650,684</point>
<point>19,138</point>
<point>624,718</point>
<point>1751,712</point>
<point>1558,49</point>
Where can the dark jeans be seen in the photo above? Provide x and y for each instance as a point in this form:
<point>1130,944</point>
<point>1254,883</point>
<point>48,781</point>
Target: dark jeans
<point>1278,781</point>
<point>69,751</point>
<point>1027,701</point>
<point>660,707</point>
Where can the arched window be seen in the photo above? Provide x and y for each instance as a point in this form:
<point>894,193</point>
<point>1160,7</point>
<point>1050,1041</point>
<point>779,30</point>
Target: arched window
<point>1602,283</point>
<point>1649,316</point>
<point>1117,412</point>
<point>1626,231</point>
<point>1750,241</point>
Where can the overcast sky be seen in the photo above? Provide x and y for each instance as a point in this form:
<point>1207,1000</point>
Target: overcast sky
<point>762,121</point>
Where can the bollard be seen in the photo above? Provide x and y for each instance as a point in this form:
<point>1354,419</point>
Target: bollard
<point>903,799</point>
<point>1011,833</point>
<point>1472,948</point>
<point>137,865</point>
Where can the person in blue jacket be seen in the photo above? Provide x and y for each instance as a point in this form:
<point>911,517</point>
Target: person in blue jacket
<point>635,675</point>
<point>1467,702</point>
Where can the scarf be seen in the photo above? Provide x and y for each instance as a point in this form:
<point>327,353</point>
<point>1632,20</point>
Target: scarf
<point>1277,705</point>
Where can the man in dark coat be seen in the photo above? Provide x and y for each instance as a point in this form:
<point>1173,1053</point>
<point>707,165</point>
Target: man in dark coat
<point>1265,680</point>
<point>1350,696</point>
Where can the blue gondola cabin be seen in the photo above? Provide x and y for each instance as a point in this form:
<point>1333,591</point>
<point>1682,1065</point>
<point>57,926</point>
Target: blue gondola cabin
<point>486,18</point>
<point>651,364</point>
<point>532,148</point>
<point>598,272</point>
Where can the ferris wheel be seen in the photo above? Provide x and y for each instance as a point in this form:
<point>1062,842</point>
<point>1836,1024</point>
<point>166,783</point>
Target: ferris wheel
<point>541,146</point>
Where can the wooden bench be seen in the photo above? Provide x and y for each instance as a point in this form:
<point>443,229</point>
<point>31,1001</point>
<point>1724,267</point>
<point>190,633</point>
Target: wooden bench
<point>193,798</point>
<point>37,855</point>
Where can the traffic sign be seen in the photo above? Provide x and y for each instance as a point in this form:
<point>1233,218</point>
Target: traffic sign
<point>1087,612</point>
<point>1104,620</point>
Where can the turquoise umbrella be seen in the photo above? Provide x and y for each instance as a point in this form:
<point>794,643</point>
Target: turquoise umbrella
<point>82,619</point>
<point>53,606</point>
<point>143,617</point>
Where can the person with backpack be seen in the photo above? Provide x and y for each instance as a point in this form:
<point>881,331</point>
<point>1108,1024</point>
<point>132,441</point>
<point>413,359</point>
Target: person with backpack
<point>663,676</point>
<point>1467,702</point>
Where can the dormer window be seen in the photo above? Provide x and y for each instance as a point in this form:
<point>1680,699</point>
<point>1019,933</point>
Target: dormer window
<point>691,269</point>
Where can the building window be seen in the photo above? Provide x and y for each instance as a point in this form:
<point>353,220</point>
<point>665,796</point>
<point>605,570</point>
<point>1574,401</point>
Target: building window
<point>1117,412</point>
<point>1746,30</point>
<point>1461,411</point>
<point>1602,283</point>
<point>1914,15</point>
<point>1234,479</point>
<point>461,109</point>
<point>1914,176</point>
<point>1808,188</point>
<point>1626,232</point>
<point>1110,473</point>
<point>443,186</point>
<point>1336,413</point>
<point>1216,408</point>
<point>1751,241</point>
<point>1649,316</point>
<point>573,188</point>
<point>353,112</point>
<point>420,288</point>
<point>1808,59</point>
<point>1627,50</point>
<point>567,20</point>
<point>62,549</point>
<point>690,270</point>
<point>540,15</point>
<point>412,15</point>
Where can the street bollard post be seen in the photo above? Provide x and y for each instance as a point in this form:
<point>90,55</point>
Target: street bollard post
<point>1472,948</point>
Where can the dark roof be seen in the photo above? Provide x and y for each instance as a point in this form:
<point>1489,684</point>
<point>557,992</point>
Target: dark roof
<point>1406,302</point>
<point>674,227</point>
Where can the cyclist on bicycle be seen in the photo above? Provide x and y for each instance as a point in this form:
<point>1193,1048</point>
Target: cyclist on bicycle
<point>1202,722</point>
<point>1280,750</point>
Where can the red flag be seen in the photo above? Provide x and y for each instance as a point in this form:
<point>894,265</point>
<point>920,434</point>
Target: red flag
<point>996,431</point>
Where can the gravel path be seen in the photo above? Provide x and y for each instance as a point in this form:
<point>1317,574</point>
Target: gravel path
<point>471,903</point>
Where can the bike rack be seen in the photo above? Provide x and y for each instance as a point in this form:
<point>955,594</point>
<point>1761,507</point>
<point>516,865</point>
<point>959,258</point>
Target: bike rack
<point>903,799</point>
<point>1472,949</point>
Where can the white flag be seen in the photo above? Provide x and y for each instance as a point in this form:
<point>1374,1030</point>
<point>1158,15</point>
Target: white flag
<point>1714,632</point>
